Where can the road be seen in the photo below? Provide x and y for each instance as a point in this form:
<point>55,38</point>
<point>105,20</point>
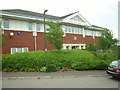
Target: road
<point>66,82</point>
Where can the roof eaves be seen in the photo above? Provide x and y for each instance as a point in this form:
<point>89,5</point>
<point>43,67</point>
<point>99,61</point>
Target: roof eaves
<point>29,13</point>
<point>62,17</point>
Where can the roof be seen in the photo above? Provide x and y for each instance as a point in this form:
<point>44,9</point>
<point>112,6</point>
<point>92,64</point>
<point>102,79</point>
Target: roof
<point>97,27</point>
<point>29,13</point>
<point>68,15</point>
<point>34,14</point>
<point>40,15</point>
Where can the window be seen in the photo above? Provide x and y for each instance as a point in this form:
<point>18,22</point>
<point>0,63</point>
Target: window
<point>75,30</point>
<point>97,33</point>
<point>72,29</point>
<point>6,23</point>
<point>15,50</point>
<point>67,47</point>
<point>115,63</point>
<point>69,29</point>
<point>88,32</point>
<point>80,31</point>
<point>19,49</point>
<point>30,26</point>
<point>75,47</point>
<point>38,27</point>
<point>66,29</point>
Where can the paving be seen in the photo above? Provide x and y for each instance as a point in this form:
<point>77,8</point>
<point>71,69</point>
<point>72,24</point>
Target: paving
<point>41,75</point>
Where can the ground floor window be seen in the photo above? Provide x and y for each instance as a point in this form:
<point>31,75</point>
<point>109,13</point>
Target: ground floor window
<point>15,50</point>
<point>67,47</point>
<point>75,47</point>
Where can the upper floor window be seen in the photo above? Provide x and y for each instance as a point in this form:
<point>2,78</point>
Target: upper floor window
<point>30,26</point>
<point>38,26</point>
<point>88,32</point>
<point>66,29</point>
<point>97,33</point>
<point>6,23</point>
<point>80,31</point>
<point>72,29</point>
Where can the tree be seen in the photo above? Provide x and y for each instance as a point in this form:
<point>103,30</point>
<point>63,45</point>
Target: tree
<point>106,41</point>
<point>55,34</point>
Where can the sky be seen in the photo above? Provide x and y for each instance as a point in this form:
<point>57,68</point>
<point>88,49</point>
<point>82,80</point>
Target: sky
<point>102,13</point>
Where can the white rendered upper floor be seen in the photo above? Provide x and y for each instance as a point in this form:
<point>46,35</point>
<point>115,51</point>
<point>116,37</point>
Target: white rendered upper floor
<point>22,20</point>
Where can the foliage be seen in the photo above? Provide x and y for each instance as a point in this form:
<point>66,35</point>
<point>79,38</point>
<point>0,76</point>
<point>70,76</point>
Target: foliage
<point>55,34</point>
<point>91,47</point>
<point>63,59</point>
<point>23,61</point>
<point>52,68</point>
<point>105,55</point>
<point>43,69</point>
<point>116,51</point>
<point>106,40</point>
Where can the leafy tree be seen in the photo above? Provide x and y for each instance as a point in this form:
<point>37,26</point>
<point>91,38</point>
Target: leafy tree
<point>106,41</point>
<point>55,34</point>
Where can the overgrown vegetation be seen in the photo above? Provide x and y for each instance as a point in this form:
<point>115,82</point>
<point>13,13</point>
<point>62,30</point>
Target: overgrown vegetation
<point>106,41</point>
<point>64,59</point>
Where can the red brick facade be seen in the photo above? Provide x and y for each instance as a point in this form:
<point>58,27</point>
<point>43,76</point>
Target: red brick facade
<point>26,39</point>
<point>69,39</point>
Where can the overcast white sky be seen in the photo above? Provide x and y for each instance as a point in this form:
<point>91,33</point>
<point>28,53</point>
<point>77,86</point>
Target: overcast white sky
<point>102,13</point>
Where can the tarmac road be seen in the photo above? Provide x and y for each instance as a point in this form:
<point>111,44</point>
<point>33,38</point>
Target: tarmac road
<point>76,82</point>
<point>85,79</point>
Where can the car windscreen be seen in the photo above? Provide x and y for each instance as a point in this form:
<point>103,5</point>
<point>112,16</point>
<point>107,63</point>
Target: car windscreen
<point>115,64</point>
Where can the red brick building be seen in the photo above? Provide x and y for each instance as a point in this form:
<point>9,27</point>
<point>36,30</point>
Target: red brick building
<point>24,31</point>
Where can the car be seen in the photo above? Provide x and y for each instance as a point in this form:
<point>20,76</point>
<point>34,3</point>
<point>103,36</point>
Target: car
<point>114,69</point>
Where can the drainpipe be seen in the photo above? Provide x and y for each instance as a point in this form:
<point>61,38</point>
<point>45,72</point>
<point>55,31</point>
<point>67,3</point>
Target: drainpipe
<point>35,43</point>
<point>35,40</point>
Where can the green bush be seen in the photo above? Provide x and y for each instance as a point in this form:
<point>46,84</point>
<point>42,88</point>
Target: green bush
<point>79,66</point>
<point>91,47</point>
<point>43,69</point>
<point>64,59</point>
<point>52,68</point>
<point>116,51</point>
<point>105,55</point>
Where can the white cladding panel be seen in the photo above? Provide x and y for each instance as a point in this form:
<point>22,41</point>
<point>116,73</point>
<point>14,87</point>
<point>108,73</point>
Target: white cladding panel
<point>18,25</point>
<point>23,25</point>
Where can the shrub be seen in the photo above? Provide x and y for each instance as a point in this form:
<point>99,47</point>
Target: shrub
<point>79,66</point>
<point>52,68</point>
<point>116,51</point>
<point>64,59</point>
<point>105,55</point>
<point>43,69</point>
<point>91,47</point>
<point>101,65</point>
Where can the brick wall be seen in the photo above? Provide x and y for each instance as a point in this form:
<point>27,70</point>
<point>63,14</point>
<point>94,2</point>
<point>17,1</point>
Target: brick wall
<point>26,39</point>
<point>69,39</point>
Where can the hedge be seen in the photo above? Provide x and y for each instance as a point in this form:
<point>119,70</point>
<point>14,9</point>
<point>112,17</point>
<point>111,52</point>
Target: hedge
<point>72,59</point>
